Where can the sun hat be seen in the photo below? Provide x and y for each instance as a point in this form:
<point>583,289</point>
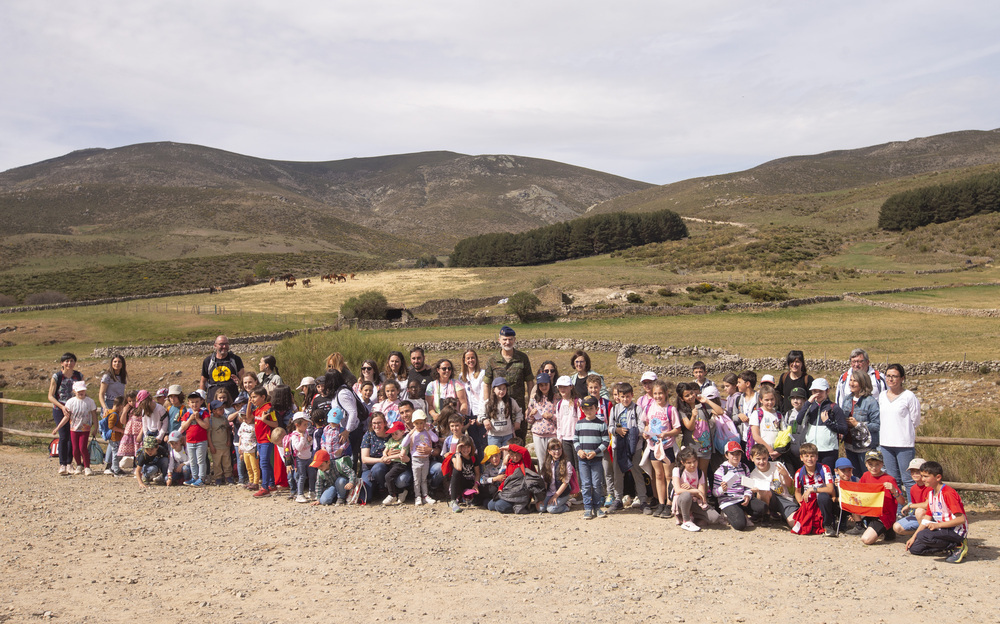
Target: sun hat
<point>564,381</point>
<point>299,416</point>
<point>489,452</point>
<point>175,390</point>
<point>306,381</point>
<point>81,386</point>
<point>335,415</point>
<point>419,415</point>
<point>915,464</point>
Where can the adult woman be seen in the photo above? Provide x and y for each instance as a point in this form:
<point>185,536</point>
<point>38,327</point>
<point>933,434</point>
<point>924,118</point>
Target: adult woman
<point>472,376</point>
<point>445,387</point>
<point>113,382</point>
<point>863,420</point>
<point>268,375</point>
<point>60,391</point>
<point>580,362</point>
<point>899,416</point>
<point>549,368</point>
<point>335,362</point>
<point>307,388</point>
<point>395,369</point>
<point>374,465</point>
<point>369,372</point>
<point>335,386</point>
<point>795,377</point>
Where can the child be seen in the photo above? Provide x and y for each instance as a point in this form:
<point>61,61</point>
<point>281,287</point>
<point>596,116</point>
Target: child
<point>194,427</point>
<point>516,459</point>
<point>117,427</point>
<point>419,443</point>
<point>333,441</point>
<point>746,402</point>
<point>131,439</point>
<point>219,442</point>
<point>661,431</point>
<point>456,429</point>
<point>415,395</point>
<point>814,490</point>
<point>567,413</point>
<point>700,372</point>
<point>248,451</point>
<point>80,412</point>
<point>178,470</point>
<point>335,478</point>
<point>735,499</point>
<point>691,492</point>
<point>594,385</point>
<point>625,423</point>
<point>542,415</point>
<point>765,421</point>
<point>590,441</point>
<point>882,525</point>
<point>394,449</point>
<point>175,406</point>
<point>693,408</point>
<point>947,526</point>
<point>464,471</point>
<point>729,383</point>
<point>645,400</point>
<point>301,444</point>
<point>265,421</point>
<point>778,496</point>
<point>390,406</point>
<point>558,475</point>
<point>367,395</point>
<point>151,464</point>
<point>492,474</point>
<point>908,522</point>
<point>503,415</point>
<point>844,471</point>
<point>798,398</point>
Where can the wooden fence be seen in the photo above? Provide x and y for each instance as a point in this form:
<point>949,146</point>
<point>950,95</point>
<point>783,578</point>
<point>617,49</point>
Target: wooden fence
<point>974,487</point>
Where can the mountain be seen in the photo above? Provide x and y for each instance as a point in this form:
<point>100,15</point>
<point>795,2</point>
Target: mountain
<point>170,200</point>
<point>841,188</point>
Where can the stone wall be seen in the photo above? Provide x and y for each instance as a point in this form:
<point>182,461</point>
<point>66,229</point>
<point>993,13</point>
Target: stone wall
<point>92,302</point>
<point>259,343</point>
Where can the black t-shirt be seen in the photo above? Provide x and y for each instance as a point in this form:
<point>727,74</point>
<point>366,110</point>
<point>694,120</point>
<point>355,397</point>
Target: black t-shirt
<point>222,372</point>
<point>785,386</point>
<point>142,458</point>
<point>425,377</point>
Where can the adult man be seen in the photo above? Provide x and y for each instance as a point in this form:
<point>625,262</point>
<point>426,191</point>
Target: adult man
<point>859,361</point>
<point>420,370</point>
<point>515,367</point>
<point>222,369</point>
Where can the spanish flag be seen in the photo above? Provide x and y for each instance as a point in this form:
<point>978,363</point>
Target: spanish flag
<point>864,499</point>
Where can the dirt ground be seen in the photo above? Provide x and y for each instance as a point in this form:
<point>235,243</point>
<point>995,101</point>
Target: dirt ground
<point>100,549</point>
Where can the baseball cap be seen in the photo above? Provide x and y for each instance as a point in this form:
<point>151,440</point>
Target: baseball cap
<point>799,392</point>
<point>194,394</point>
<point>149,442</point>
<point>543,378</point>
<point>335,415</point>
<point>161,393</point>
<point>499,381</point>
<point>873,454</point>
<point>320,457</point>
<point>489,452</point>
<point>589,401</point>
<point>733,447</point>
<point>81,386</point>
<point>306,381</point>
<point>175,389</point>
<point>819,384</point>
<point>175,436</point>
<point>419,414</point>
<point>843,462</point>
<point>564,381</point>
<point>396,426</point>
<point>202,394</point>
<point>768,379</point>
<point>915,464</point>
<point>299,416</point>
<point>711,392</point>
<point>216,405</point>
<point>648,376</point>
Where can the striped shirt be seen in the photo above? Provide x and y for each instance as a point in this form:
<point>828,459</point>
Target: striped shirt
<point>591,435</point>
<point>945,505</point>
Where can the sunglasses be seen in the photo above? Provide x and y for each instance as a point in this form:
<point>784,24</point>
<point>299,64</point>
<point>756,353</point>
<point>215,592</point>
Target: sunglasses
<point>444,368</point>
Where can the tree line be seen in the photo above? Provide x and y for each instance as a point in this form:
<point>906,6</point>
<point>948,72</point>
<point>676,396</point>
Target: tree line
<point>941,203</point>
<point>589,236</point>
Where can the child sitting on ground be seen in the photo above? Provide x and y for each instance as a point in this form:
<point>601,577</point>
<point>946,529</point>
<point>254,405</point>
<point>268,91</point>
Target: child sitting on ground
<point>778,497</point>
<point>178,470</point>
<point>945,525</point>
<point>464,471</point>
<point>882,525</point>
<point>399,460</point>
<point>736,500</point>
<point>491,474</point>
<point>558,475</point>
<point>917,507</point>
<point>814,491</point>
<point>335,478</point>
<point>691,493</point>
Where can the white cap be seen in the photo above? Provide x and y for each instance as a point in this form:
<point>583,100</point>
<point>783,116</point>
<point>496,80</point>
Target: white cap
<point>648,376</point>
<point>306,381</point>
<point>419,415</point>
<point>564,381</point>
<point>768,379</point>
<point>79,386</point>
<point>299,416</point>
<point>819,384</point>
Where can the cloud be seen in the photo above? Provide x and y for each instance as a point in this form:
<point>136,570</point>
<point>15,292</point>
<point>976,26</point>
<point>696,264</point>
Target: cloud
<point>650,90</point>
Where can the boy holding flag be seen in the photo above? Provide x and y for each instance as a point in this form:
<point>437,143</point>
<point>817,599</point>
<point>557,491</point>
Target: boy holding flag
<point>875,496</point>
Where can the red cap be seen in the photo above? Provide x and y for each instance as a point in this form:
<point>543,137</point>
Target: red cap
<point>321,457</point>
<point>396,426</point>
<point>733,447</point>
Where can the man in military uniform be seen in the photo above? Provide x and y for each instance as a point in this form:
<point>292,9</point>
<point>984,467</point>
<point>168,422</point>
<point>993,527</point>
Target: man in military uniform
<point>222,369</point>
<point>515,367</point>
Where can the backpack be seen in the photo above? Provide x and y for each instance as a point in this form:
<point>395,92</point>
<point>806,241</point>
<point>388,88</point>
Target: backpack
<point>521,487</point>
<point>96,453</point>
<point>105,428</point>
<point>362,409</point>
<point>54,448</point>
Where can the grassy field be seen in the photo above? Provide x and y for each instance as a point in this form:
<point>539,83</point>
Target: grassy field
<point>981,297</point>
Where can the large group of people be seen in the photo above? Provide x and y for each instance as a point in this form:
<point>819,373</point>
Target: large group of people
<point>506,437</point>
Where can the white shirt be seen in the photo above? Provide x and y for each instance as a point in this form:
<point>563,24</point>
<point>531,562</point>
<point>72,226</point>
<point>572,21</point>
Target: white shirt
<point>899,419</point>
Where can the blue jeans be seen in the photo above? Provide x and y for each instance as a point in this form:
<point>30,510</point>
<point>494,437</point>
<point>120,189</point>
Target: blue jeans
<point>111,457</point>
<point>302,475</point>
<point>498,440</point>
<point>435,478</point>
<point>500,505</point>
<point>159,467</point>
<point>198,456</point>
<point>335,493</point>
<point>180,476</point>
<point>374,479</point>
<point>592,482</point>
<point>241,468</point>
<point>555,505</point>
<point>897,462</point>
<point>265,454</point>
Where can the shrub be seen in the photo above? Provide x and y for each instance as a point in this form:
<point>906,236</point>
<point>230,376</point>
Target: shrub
<point>633,298</point>
<point>7,300</point>
<point>540,281</point>
<point>522,304</point>
<point>369,305</point>
<point>47,296</point>
<point>261,270</point>
<point>702,288</point>
<point>305,355</point>
<point>666,292</point>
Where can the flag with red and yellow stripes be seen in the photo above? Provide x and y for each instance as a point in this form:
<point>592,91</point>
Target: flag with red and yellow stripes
<point>864,499</point>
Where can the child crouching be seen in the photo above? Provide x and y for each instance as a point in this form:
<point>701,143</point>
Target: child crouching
<point>335,479</point>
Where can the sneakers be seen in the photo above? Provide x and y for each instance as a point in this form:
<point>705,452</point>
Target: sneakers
<point>958,556</point>
<point>189,482</point>
<point>455,506</point>
<point>637,503</point>
<point>63,470</point>
<point>390,500</point>
<point>402,497</point>
<point>667,511</point>
<point>418,501</point>
<point>262,492</point>
<point>616,506</point>
<point>198,483</point>
<point>87,472</point>
<point>601,513</point>
<point>830,531</point>
<point>159,480</point>
<point>301,499</point>
<point>79,470</point>
<point>890,536</point>
<point>220,482</point>
<point>858,529</point>
<point>690,526</point>
<point>341,501</point>
<point>429,501</point>
<point>588,514</point>
<point>646,509</point>
<point>626,500</point>
<point>108,471</point>
<point>609,501</point>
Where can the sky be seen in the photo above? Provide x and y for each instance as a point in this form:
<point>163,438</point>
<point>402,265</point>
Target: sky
<point>658,91</point>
